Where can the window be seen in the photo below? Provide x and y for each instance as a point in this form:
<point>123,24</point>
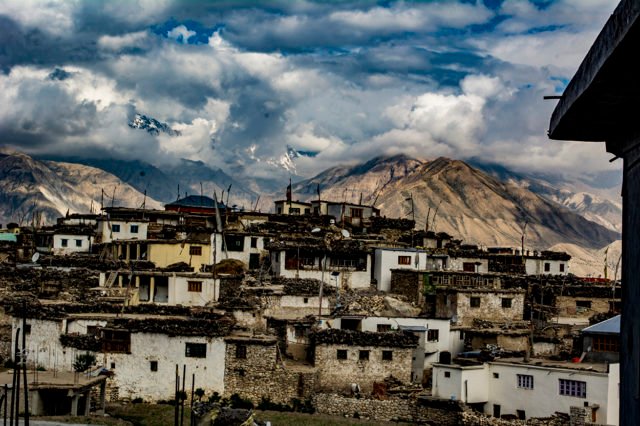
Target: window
<point>383,328</point>
<point>64,242</point>
<point>433,335</point>
<point>496,375</point>
<point>195,286</point>
<point>572,388</point>
<point>115,228</point>
<point>447,374</point>
<point>240,372</point>
<point>133,229</point>
<point>525,381</point>
<point>294,210</point>
<point>547,266</point>
<point>363,356</point>
<point>506,302</point>
<point>562,267</point>
<point>113,365</point>
<point>195,350</point>
<point>241,351</point>
<point>234,242</point>
<point>468,266</point>
<point>305,300</point>
<point>93,330</point>
<point>195,251</point>
<point>474,302</point>
<point>341,354</point>
<point>404,260</point>
<point>585,304</point>
<point>153,365</point>
<point>78,243</point>
<point>254,242</point>
<point>27,329</point>
<point>387,355</point>
<point>299,332</point>
<point>356,212</point>
<point>606,344</point>
<point>521,415</point>
<point>116,341</point>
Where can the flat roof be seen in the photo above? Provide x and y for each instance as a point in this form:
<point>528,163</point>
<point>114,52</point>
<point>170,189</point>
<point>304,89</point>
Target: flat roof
<point>54,380</point>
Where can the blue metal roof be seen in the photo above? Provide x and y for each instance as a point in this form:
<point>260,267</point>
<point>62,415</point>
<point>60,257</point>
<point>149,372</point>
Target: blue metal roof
<point>610,326</point>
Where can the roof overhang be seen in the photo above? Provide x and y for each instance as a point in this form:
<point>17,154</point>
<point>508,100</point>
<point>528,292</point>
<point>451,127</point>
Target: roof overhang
<point>600,102</point>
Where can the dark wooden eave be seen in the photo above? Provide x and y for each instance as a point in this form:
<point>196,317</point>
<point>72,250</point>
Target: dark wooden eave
<point>600,102</point>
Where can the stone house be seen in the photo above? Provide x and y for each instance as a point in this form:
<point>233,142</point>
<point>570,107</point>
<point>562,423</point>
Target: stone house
<point>194,251</point>
<point>388,259</point>
<point>347,213</point>
<point>601,341</point>
<point>531,389</point>
<point>254,369</point>
<point>463,305</point>
<point>345,357</point>
<point>139,350</point>
<point>245,247</point>
<point>171,288</point>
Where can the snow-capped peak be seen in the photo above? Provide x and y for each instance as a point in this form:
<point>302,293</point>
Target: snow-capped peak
<point>152,125</point>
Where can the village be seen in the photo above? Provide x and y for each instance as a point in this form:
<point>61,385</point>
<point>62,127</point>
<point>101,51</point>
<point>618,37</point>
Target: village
<point>323,306</point>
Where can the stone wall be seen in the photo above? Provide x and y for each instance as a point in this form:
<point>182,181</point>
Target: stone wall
<point>392,409</point>
<point>490,309</point>
<point>337,375</point>
<point>566,306</point>
<point>406,283</point>
<point>262,373</point>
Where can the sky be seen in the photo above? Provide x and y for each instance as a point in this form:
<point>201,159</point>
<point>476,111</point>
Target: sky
<point>340,82</point>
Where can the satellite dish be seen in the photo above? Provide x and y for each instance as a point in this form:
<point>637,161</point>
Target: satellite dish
<point>35,257</point>
<point>345,233</point>
<point>314,230</point>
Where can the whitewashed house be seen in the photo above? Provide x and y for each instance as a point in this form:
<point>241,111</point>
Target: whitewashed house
<point>245,247</point>
<point>110,229</point>
<point>535,389</point>
<point>386,259</point>
<point>71,240</point>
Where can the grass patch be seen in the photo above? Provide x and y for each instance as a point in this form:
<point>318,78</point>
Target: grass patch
<point>146,414</point>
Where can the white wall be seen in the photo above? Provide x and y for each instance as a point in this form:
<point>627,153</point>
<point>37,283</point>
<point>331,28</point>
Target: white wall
<point>124,233</point>
<point>456,264</point>
<point>179,293</point>
<point>243,256</point>
<point>476,388</point>
<point>86,241</point>
<point>348,277</point>
<point>387,259</point>
<point>536,267</point>
<point>544,399</point>
<point>134,377</point>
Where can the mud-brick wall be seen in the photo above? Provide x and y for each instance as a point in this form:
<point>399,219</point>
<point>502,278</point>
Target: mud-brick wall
<point>262,374</point>
<point>406,283</point>
<point>490,308</point>
<point>567,306</point>
<point>337,375</point>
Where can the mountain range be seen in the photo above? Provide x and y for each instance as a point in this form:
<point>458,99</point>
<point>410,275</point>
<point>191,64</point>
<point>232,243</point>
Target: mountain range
<point>485,205</point>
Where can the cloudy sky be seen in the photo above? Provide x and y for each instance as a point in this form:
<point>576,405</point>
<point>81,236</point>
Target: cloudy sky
<point>343,82</point>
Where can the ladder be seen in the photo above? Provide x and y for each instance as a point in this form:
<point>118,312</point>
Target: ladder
<point>113,275</point>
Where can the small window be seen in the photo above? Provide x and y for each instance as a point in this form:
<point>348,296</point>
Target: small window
<point>241,352</point>
<point>341,354</point>
<point>133,229</point>
<point>521,415</point>
<point>506,302</point>
<point>525,381</point>
<point>387,355</point>
<point>356,212</point>
<point>561,267</point>
<point>468,266</point>
<point>78,243</point>
<point>195,251</point>
<point>496,375</point>
<point>93,330</point>
<point>195,350</point>
<point>306,300</point>
<point>572,388</point>
<point>404,260</point>
<point>240,372</point>
<point>113,365</point>
<point>433,335</point>
<point>254,242</point>
<point>299,332</point>
<point>294,210</point>
<point>195,286</point>
<point>115,228</point>
<point>447,374</point>
<point>153,365</point>
<point>383,328</point>
<point>547,266</point>
<point>585,304</point>
<point>363,356</point>
<point>474,302</point>
<point>64,242</point>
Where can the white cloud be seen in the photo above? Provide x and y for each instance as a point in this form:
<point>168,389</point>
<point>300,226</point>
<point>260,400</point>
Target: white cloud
<point>138,39</point>
<point>53,16</point>
<point>181,34</point>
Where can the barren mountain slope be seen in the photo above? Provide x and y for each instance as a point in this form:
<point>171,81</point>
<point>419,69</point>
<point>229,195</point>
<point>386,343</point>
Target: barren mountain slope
<point>31,188</point>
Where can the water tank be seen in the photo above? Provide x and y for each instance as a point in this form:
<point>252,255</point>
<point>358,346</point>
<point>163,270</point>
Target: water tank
<point>445,357</point>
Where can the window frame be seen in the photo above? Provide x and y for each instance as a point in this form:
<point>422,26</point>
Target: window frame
<point>241,351</point>
<point>132,227</point>
<point>387,355</point>
<point>574,388</point>
<point>115,227</point>
<point>404,260</point>
<point>433,335</point>
<point>507,302</point>
<point>194,286</point>
<point>195,250</point>
<point>364,355</point>
<point>342,354</point>
<point>195,350</point>
<point>475,301</point>
<point>525,381</point>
